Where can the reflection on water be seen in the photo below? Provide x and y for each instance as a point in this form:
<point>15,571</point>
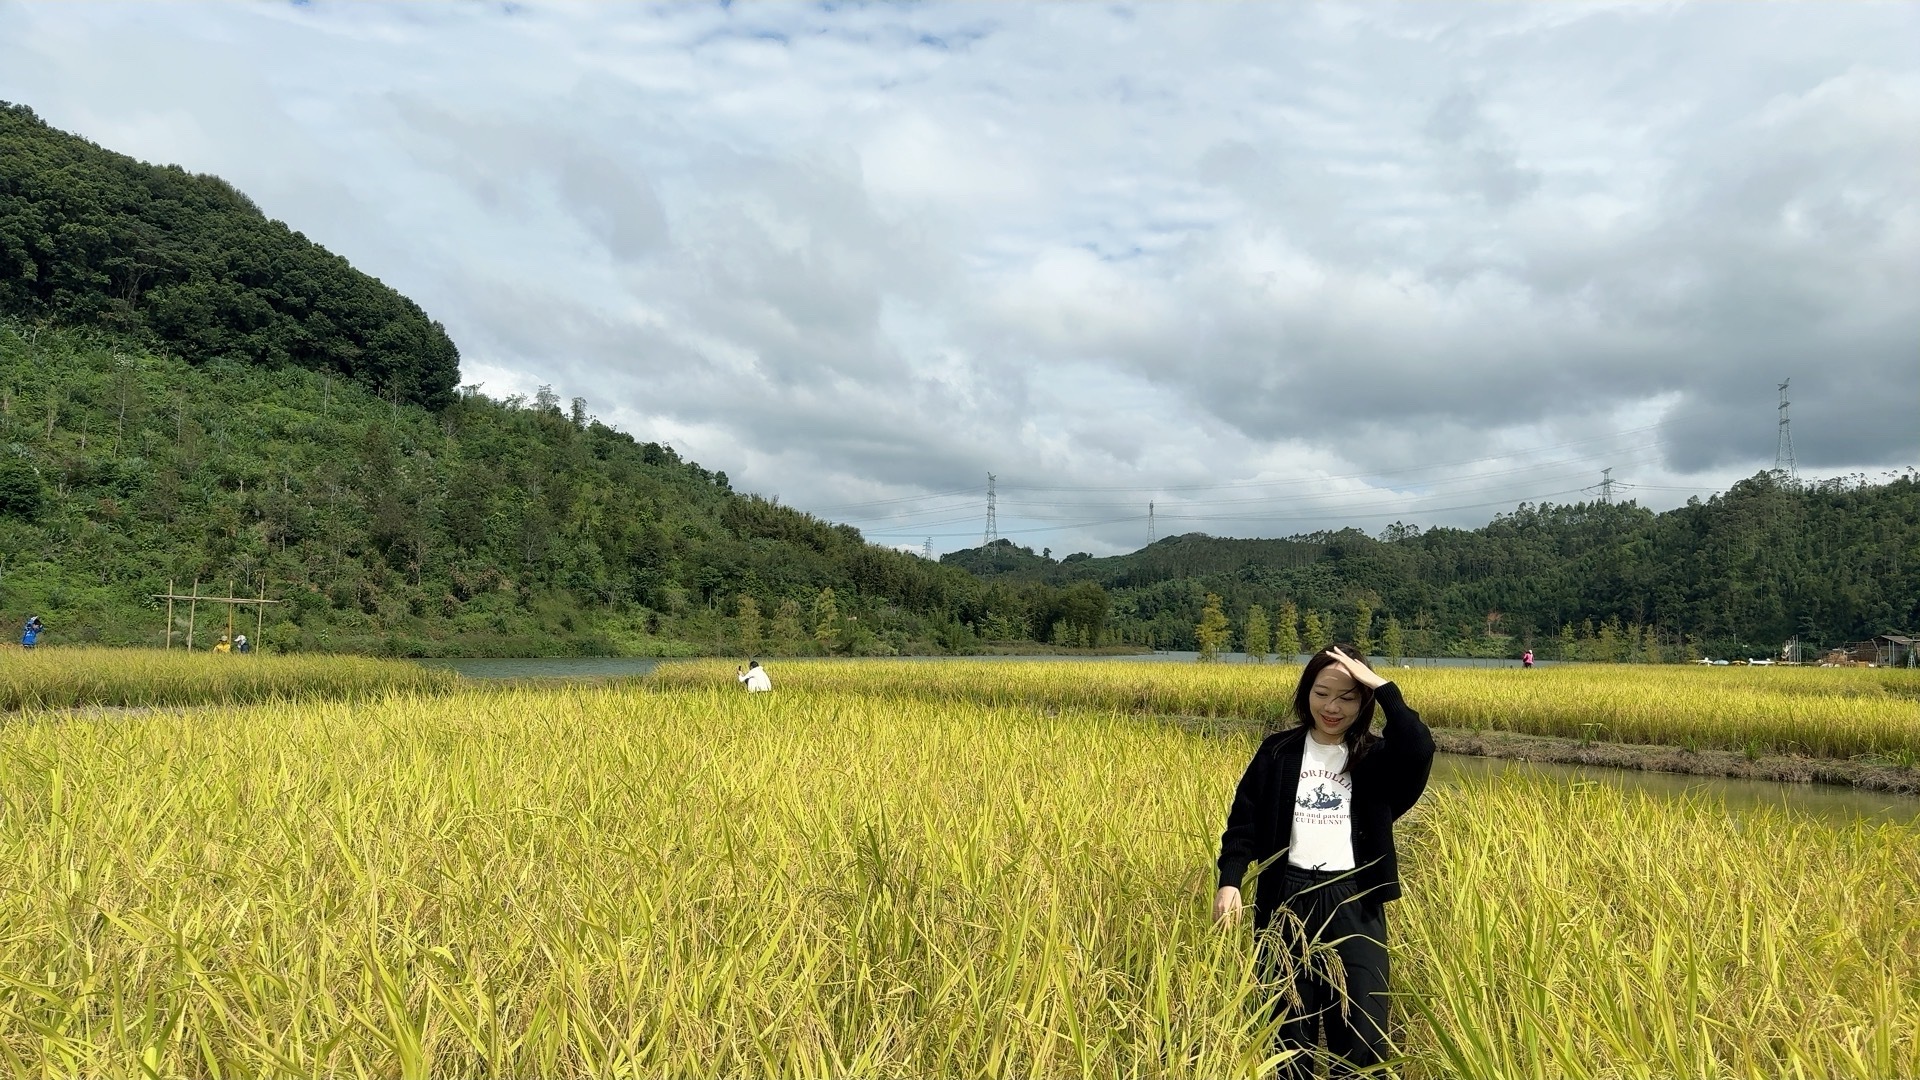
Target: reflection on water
<point>1822,800</point>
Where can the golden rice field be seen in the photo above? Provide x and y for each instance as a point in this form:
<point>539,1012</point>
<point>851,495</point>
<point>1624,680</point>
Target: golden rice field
<point>1822,712</point>
<point>623,882</point>
<point>70,677</point>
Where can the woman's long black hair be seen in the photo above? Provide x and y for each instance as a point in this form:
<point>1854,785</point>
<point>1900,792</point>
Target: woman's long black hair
<point>1359,737</point>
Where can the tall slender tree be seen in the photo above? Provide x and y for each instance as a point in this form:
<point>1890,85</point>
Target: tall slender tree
<point>1254,636</point>
<point>1315,633</point>
<point>1286,633</point>
<point>1394,640</point>
<point>1212,630</point>
<point>749,620</point>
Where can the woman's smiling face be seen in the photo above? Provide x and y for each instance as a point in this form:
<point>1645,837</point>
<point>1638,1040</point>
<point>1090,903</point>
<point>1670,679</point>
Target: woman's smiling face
<point>1335,703</point>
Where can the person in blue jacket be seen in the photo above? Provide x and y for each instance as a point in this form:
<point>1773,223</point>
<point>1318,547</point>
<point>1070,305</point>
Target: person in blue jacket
<point>1315,809</point>
<point>30,633</point>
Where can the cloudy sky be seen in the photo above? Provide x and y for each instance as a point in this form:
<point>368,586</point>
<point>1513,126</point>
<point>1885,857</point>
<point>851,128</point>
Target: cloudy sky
<point>1270,267</point>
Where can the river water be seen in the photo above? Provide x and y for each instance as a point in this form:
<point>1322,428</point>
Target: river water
<point>1822,800</point>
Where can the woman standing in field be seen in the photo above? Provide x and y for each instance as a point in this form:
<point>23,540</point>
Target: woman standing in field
<point>1326,793</point>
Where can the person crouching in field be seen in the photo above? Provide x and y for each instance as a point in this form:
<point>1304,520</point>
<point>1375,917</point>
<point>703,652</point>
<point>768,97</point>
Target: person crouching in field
<point>1326,792</point>
<point>754,678</point>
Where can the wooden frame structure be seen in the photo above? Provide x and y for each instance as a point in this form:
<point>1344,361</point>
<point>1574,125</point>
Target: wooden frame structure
<point>194,600</point>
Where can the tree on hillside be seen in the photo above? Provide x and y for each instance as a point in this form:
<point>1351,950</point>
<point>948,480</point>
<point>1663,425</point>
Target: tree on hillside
<point>1607,643</point>
<point>22,493</point>
<point>1363,627</point>
<point>1212,631</point>
<point>786,625</point>
<point>1286,633</point>
<point>1316,633</point>
<point>1394,640</point>
<point>1255,636</point>
<point>749,622</point>
<point>826,618</point>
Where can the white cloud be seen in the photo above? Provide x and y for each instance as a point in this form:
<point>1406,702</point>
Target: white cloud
<point>1272,267</point>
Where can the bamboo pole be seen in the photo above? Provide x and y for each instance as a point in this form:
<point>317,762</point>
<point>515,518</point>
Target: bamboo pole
<point>193,609</point>
<point>260,611</point>
<point>169,613</point>
<point>229,611</point>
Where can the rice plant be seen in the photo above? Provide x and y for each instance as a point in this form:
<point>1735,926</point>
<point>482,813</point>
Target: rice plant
<point>615,881</point>
<point>72,677</point>
<point>1836,713</point>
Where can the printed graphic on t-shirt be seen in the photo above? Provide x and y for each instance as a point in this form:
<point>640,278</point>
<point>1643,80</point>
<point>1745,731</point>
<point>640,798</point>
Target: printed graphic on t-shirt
<point>1325,802</point>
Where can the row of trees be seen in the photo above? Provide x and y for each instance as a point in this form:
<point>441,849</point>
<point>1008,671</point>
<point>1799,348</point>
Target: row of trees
<point>1290,633</point>
<point>1736,574</point>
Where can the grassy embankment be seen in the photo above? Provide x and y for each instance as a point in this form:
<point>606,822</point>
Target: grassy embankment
<point>1841,713</point>
<point>78,677</point>
<point>620,882</point>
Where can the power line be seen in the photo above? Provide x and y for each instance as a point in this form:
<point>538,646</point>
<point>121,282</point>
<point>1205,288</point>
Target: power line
<point>1298,517</point>
<point>1157,488</point>
<point>900,499</point>
<point>953,513</point>
<point>1297,508</point>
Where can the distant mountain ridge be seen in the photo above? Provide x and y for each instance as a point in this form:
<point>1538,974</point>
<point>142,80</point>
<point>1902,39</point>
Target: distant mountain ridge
<point>1749,568</point>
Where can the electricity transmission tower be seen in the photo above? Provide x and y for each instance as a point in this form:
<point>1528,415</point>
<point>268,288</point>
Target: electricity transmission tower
<point>1783,450</point>
<point>1149,521</point>
<point>926,550</point>
<point>1607,486</point>
<point>993,525</point>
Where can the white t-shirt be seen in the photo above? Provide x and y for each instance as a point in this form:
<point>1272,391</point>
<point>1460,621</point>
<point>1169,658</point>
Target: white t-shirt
<point>1323,809</point>
<point>756,680</point>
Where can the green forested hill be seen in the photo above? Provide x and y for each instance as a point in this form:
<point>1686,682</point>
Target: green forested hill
<point>486,527</point>
<point>88,236</point>
<point>1742,572</point>
<point>190,391</point>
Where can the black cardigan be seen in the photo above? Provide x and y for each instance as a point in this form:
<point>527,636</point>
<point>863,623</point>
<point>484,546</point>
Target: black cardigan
<point>1387,781</point>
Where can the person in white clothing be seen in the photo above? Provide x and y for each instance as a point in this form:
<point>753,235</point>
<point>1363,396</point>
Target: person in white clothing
<point>754,678</point>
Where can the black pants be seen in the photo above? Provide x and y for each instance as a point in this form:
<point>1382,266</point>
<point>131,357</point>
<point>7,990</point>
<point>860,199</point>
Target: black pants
<point>1354,1021</point>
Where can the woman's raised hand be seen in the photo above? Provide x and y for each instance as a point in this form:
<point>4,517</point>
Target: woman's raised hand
<point>1361,673</point>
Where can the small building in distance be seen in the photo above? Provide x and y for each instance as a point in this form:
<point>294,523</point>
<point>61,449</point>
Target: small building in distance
<point>1895,650</point>
<point>1883,650</point>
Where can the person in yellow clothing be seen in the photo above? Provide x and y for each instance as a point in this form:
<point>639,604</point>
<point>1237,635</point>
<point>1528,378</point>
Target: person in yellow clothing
<point>222,645</point>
